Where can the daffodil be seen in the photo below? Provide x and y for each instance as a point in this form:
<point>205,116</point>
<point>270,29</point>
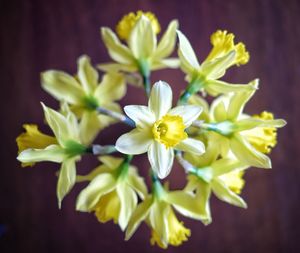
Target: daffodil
<point>33,138</point>
<point>205,77</point>
<point>142,53</point>
<point>237,131</point>
<point>85,94</point>
<point>222,176</point>
<point>66,148</point>
<point>157,210</point>
<point>112,191</point>
<point>160,129</point>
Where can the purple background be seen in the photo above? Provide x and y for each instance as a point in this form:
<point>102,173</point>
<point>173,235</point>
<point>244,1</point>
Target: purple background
<point>40,35</point>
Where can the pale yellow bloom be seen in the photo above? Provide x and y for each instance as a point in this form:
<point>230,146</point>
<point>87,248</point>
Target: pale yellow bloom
<point>237,131</point>
<point>65,148</point>
<point>204,77</point>
<point>157,211</point>
<point>234,180</point>
<point>142,53</point>
<point>160,129</point>
<point>85,94</point>
<point>33,138</point>
<point>128,22</point>
<point>112,192</point>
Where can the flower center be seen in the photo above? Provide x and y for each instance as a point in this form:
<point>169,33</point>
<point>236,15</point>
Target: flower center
<point>127,23</point>
<point>169,130</point>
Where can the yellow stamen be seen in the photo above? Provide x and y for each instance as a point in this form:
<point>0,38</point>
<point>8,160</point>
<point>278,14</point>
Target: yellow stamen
<point>177,233</point>
<point>33,138</point>
<point>108,208</point>
<point>223,43</point>
<point>263,138</point>
<point>169,130</point>
<point>234,180</point>
<point>127,23</point>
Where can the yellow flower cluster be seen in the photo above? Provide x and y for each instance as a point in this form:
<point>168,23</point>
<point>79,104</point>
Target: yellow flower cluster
<point>214,143</point>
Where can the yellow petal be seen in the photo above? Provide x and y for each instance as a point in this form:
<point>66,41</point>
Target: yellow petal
<point>87,75</point>
<point>89,127</point>
<point>62,86</point>
<point>234,180</point>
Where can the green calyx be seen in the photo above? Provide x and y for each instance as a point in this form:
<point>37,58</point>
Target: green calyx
<point>225,128</point>
<point>90,103</point>
<point>204,173</point>
<point>144,69</point>
<point>195,85</point>
<point>122,170</point>
<point>157,188</point>
<point>73,148</point>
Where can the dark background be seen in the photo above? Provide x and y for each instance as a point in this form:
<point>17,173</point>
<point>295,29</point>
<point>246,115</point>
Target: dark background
<point>40,35</point>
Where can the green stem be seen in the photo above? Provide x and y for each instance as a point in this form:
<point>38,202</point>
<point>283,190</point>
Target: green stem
<point>193,87</point>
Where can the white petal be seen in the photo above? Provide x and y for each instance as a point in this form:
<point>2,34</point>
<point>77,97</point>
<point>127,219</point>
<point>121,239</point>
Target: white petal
<point>160,101</point>
<point>189,113</point>
<point>141,115</point>
<point>191,145</point>
<point>161,159</point>
<point>135,142</point>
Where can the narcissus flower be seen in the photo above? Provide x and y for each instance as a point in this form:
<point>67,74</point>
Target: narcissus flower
<point>85,94</point>
<point>160,129</point>
<point>142,53</point>
<point>225,53</point>
<point>66,149</point>
<point>112,192</point>
<point>236,130</point>
<point>157,211</point>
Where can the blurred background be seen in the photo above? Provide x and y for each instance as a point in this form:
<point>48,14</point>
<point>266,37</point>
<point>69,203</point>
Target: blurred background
<point>40,35</point>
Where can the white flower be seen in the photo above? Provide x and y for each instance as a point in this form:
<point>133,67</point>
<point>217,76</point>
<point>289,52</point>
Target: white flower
<point>160,129</point>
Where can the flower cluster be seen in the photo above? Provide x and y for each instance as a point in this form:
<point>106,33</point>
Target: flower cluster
<point>215,143</point>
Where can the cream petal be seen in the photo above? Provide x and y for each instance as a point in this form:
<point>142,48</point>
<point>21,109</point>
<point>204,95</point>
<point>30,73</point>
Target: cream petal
<point>128,202</point>
<point>161,159</point>
<point>138,216</point>
<point>52,153</point>
<point>247,154</point>
<point>111,88</point>
<point>187,55</point>
<point>239,100</point>
<point>250,123</point>
<point>191,145</point>
<point>167,43</point>
<point>66,179</point>
<point>135,142</point>
<point>224,194</point>
<point>89,196</point>
<point>111,161</point>
<point>116,49</point>
<point>87,75</point>
<point>137,182</point>
<point>89,127</point>
<point>141,115</point>
<point>160,101</point>
<point>172,63</point>
<point>62,86</point>
<point>189,113</point>
<point>116,67</point>
<point>203,194</point>
<point>226,165</point>
<point>142,39</point>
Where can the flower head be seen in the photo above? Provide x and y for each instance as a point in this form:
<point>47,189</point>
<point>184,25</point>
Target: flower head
<point>65,148</point>
<point>160,129</point>
<point>142,53</point>
<point>85,94</point>
<point>112,192</point>
<point>225,53</point>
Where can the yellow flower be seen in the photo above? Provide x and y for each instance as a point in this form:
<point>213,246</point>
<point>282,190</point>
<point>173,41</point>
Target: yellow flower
<point>160,129</point>
<point>128,22</point>
<point>66,150</point>
<point>112,192</point>
<point>205,77</point>
<point>237,131</point>
<point>157,211</point>
<point>85,94</point>
<point>142,52</point>
<point>33,138</point>
<point>265,138</point>
<point>234,180</point>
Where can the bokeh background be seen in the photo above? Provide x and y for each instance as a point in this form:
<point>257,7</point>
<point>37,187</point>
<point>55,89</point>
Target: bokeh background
<point>40,35</point>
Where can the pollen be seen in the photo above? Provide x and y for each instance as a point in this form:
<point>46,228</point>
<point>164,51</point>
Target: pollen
<point>169,130</point>
<point>127,23</point>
